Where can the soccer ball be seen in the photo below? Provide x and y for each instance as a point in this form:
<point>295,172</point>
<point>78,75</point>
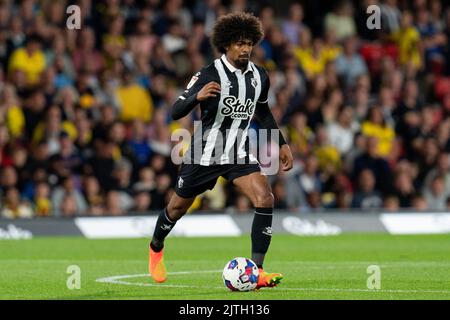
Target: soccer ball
<point>240,274</point>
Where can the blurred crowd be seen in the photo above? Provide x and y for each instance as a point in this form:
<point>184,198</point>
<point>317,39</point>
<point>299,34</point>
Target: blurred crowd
<point>85,126</point>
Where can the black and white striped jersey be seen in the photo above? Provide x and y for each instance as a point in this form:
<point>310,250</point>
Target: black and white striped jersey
<point>222,137</point>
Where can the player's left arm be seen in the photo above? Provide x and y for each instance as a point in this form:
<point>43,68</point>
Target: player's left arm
<point>200,88</point>
<point>266,120</point>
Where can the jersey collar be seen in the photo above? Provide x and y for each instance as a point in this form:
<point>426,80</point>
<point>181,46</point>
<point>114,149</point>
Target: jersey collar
<point>232,68</point>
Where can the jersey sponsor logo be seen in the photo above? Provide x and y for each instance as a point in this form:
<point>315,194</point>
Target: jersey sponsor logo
<point>235,109</point>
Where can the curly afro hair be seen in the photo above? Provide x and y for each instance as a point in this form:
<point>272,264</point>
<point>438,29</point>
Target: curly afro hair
<point>234,27</point>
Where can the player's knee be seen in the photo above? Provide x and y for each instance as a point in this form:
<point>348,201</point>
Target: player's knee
<point>175,211</point>
<point>264,200</point>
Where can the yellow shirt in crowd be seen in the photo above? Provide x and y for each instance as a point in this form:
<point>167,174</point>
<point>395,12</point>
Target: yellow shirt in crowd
<point>314,65</point>
<point>135,102</point>
<point>15,121</point>
<point>328,157</point>
<point>32,65</point>
<point>311,65</point>
<point>384,134</point>
<point>67,126</point>
<point>407,41</point>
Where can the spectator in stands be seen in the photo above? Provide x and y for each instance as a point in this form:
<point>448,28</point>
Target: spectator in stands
<point>300,135</point>
<point>367,197</point>
<point>59,56</point>
<point>341,20</point>
<point>13,206</point>
<point>43,205</point>
<point>139,144</point>
<point>68,158</point>
<point>435,194</point>
<point>85,55</point>
<point>375,126</point>
<point>34,109</point>
<point>174,40</point>
<point>390,16</point>
<point>163,184</point>
<point>66,200</point>
<point>419,203</point>
<point>8,178</point>
<point>30,59</point>
<point>134,101</point>
<point>350,65</point>
<point>342,131</point>
<point>68,206</point>
<point>11,112</point>
<point>93,195</point>
<point>404,189</point>
<point>52,128</point>
<point>142,202</point>
<point>391,203</point>
<point>309,178</point>
<point>379,166</point>
<point>433,39</point>
<point>113,206</point>
<point>293,25</point>
<point>442,170</point>
<point>146,180</point>
<point>122,183</point>
<point>328,156</point>
<point>409,42</point>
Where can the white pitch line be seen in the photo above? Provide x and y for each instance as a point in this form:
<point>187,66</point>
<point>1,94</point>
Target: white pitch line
<point>116,280</point>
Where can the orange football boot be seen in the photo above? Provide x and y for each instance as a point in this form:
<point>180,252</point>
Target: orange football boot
<point>156,266</point>
<point>268,279</point>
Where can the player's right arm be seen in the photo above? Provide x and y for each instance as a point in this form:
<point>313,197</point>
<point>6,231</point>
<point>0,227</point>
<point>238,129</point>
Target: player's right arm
<point>199,89</point>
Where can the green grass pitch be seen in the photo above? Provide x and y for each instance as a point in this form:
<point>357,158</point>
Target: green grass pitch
<point>334,267</point>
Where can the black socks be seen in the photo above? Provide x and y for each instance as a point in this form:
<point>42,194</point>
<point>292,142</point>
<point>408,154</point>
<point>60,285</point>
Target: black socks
<point>261,234</point>
<point>162,229</point>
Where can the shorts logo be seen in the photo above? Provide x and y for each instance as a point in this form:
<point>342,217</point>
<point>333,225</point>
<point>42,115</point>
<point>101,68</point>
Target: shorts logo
<point>180,182</point>
<point>267,231</point>
<point>234,109</point>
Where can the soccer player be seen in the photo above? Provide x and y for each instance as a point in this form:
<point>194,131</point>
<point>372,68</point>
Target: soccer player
<point>230,91</point>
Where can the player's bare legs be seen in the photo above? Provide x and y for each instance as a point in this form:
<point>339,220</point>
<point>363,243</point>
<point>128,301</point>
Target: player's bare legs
<point>257,188</point>
<point>176,208</point>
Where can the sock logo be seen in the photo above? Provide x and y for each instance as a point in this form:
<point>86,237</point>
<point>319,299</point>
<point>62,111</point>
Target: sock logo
<point>267,231</point>
<point>166,227</point>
